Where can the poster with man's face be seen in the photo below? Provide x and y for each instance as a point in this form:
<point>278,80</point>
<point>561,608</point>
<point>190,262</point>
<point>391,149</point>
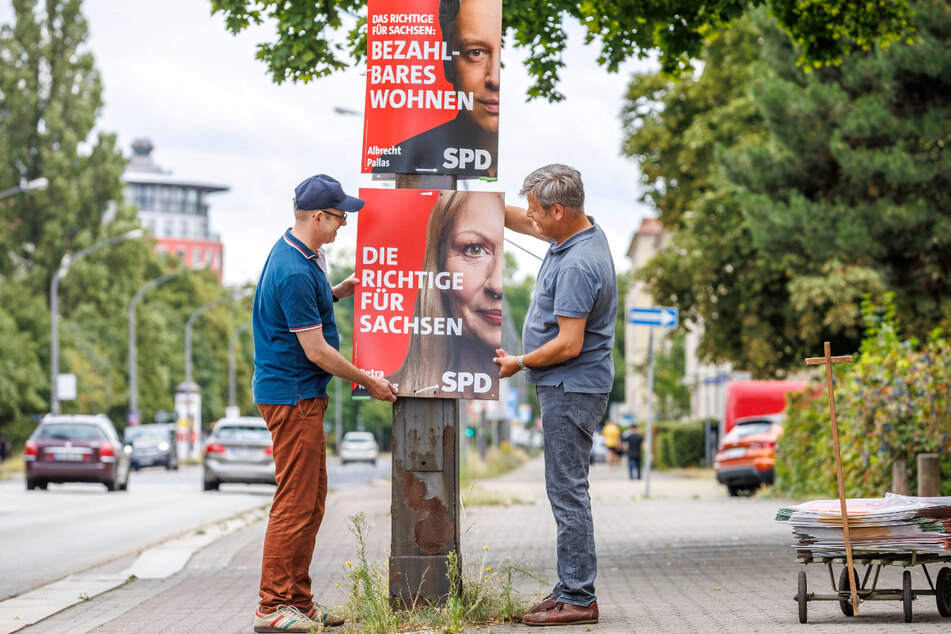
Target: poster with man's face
<point>428,306</point>
<point>432,103</point>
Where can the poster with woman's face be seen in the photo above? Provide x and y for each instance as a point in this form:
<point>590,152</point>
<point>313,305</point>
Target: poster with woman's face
<point>432,102</point>
<point>428,306</point>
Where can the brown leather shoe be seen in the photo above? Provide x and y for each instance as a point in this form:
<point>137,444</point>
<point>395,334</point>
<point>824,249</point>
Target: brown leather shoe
<point>563,614</point>
<point>544,604</point>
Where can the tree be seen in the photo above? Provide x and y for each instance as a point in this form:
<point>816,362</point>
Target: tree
<point>307,44</point>
<point>50,97</point>
<point>793,196</point>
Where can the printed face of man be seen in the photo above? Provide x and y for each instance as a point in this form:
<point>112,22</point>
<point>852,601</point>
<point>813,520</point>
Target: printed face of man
<point>475,250</point>
<point>478,65</point>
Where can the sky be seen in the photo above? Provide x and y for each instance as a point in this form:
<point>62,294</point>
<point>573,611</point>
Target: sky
<point>173,74</point>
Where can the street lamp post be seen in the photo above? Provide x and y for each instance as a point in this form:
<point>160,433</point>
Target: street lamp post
<point>232,388</point>
<point>25,186</point>
<point>61,271</point>
<point>133,362</point>
<point>235,295</point>
<point>188,394</point>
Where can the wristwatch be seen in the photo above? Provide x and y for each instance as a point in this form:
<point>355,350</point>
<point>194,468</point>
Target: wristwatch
<point>521,364</point>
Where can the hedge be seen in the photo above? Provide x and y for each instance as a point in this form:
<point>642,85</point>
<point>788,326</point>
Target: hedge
<point>892,403</point>
<point>678,445</point>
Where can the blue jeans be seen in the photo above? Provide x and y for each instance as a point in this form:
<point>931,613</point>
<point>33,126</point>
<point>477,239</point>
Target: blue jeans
<point>634,463</point>
<point>568,422</point>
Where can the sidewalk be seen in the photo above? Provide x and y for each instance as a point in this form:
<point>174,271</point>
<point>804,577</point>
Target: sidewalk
<point>688,559</point>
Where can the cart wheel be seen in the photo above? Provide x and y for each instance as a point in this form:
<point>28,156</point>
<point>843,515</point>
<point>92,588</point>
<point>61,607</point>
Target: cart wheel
<point>943,591</point>
<point>906,596</point>
<point>802,597</point>
<point>846,606</point>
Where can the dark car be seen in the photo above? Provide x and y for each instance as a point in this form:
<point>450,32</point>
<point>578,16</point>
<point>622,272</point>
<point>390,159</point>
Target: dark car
<point>238,450</point>
<point>78,448</point>
<point>152,446</point>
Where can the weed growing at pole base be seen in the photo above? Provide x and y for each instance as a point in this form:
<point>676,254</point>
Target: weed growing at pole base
<point>479,594</point>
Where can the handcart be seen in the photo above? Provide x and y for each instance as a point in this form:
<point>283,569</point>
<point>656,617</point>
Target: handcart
<point>868,590</point>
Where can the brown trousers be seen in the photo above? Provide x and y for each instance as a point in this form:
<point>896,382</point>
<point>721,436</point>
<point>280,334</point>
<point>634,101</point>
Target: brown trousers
<point>300,465</point>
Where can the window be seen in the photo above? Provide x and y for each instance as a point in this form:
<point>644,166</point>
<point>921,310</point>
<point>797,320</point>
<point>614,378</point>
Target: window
<point>70,431</point>
<point>196,256</point>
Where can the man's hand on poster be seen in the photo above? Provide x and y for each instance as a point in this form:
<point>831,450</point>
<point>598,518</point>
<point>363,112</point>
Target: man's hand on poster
<point>346,287</point>
<point>508,364</point>
<point>380,389</point>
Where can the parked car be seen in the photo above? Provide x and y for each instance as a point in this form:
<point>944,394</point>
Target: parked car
<point>746,457</point>
<point>76,448</point>
<point>151,445</point>
<point>599,451</point>
<point>238,450</point>
<point>358,446</point>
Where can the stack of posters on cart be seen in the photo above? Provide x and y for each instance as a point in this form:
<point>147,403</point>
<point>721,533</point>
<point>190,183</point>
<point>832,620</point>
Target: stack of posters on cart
<point>893,524</point>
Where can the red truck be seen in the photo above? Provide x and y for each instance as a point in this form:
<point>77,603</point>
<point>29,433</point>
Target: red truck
<point>752,420</point>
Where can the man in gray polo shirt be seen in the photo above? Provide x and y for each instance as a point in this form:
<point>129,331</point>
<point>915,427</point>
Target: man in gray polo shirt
<point>568,338</point>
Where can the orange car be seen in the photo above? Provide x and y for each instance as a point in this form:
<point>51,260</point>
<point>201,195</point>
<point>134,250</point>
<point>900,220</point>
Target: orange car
<point>746,457</point>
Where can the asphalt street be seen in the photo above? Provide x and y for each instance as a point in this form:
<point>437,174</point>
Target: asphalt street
<point>46,535</point>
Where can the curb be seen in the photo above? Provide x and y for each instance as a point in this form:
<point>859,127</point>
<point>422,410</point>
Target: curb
<point>157,562</point>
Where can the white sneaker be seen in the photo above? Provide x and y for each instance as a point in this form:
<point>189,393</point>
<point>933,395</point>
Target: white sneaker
<point>285,618</point>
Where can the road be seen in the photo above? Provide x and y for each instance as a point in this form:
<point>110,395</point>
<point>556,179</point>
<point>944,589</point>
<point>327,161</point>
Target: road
<point>46,535</point>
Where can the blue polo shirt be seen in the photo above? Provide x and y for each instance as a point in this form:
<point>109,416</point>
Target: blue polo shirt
<point>293,295</point>
<point>576,279</point>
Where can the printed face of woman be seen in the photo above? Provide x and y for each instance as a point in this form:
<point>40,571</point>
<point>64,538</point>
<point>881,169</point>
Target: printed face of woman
<point>475,250</point>
<point>478,66</point>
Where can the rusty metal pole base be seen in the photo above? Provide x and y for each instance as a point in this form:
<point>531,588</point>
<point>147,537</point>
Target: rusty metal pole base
<point>425,500</point>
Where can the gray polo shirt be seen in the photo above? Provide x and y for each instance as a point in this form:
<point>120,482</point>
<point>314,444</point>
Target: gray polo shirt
<point>576,279</point>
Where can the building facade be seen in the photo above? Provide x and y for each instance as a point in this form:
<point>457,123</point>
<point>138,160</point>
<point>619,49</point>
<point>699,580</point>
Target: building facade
<point>705,381</point>
<point>173,210</point>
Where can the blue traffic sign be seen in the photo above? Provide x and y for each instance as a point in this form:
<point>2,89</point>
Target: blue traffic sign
<point>663,316</point>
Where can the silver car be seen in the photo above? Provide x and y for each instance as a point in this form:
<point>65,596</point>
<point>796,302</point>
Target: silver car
<point>358,446</point>
<point>238,450</point>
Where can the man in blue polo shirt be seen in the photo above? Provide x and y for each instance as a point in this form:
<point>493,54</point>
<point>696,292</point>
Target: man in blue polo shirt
<point>295,354</point>
<point>568,338</point>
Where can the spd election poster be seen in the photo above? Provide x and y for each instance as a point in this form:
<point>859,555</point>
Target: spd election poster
<point>432,99</point>
<point>428,306</point>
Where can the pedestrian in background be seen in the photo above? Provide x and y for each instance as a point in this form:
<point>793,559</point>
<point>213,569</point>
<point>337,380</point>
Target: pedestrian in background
<point>295,355</point>
<point>569,338</point>
<point>612,442</point>
<point>633,441</point>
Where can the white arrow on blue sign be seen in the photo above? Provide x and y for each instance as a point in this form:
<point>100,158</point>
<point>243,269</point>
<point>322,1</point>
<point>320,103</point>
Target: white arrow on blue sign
<point>663,316</point>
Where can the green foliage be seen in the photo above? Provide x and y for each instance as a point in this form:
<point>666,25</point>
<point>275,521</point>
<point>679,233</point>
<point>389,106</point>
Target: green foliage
<point>50,98</point>
<point>792,196</point>
<point>315,39</point>
<point>892,403</point>
<point>679,445</point>
<point>478,594</point>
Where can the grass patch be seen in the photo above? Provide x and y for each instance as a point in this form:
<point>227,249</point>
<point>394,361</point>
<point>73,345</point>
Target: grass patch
<point>474,495</point>
<point>13,466</point>
<point>479,594</point>
<point>498,461</point>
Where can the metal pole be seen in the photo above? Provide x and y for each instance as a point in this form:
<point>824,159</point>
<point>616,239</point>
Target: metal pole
<point>338,414</point>
<point>188,330</point>
<point>54,338</point>
<point>232,389</point>
<point>425,480</point>
<point>61,271</point>
<point>650,412</point>
<point>133,360</point>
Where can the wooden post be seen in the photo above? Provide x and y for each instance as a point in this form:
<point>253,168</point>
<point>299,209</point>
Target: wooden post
<point>425,496</point>
<point>900,477</point>
<point>929,475</point>
<point>828,360</point>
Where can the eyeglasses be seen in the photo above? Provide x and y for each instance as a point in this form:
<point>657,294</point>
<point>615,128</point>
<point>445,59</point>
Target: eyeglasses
<point>342,215</point>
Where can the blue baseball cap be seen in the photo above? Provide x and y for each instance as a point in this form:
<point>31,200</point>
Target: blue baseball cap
<point>324,192</point>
